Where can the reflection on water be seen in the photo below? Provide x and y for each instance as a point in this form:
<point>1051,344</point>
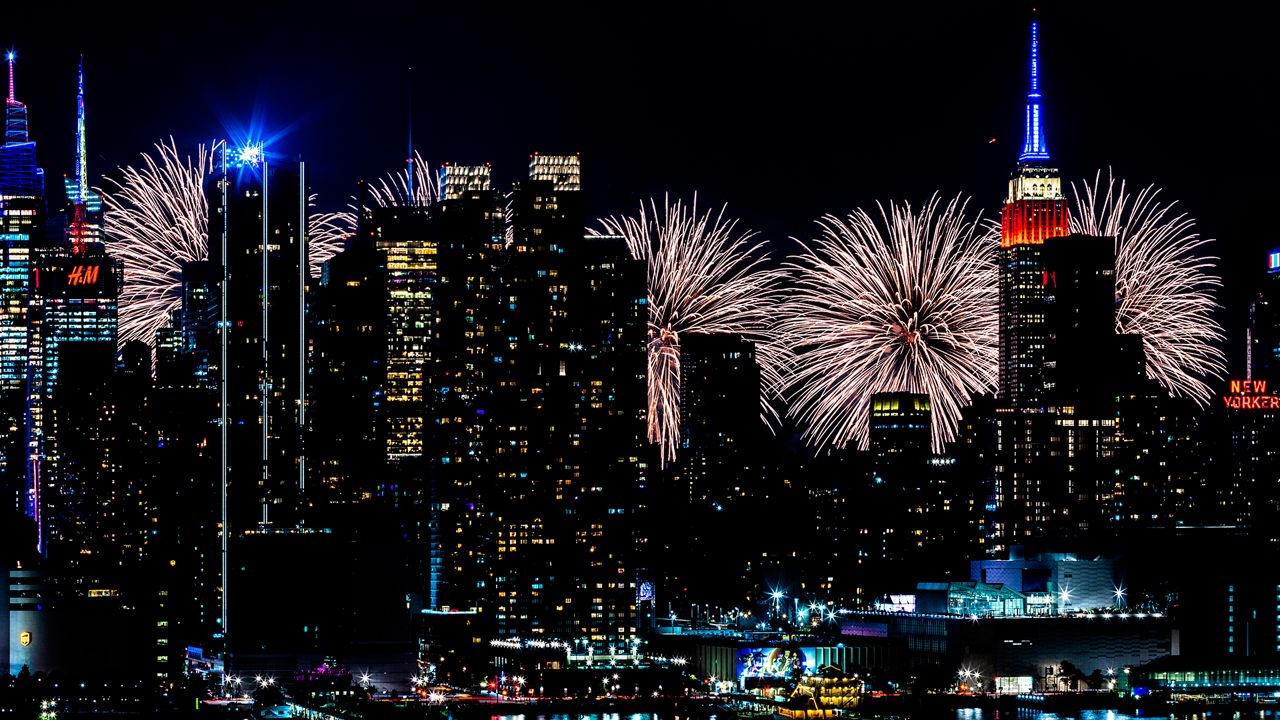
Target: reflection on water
<point>961,714</point>
<point>1033,714</point>
<point>592,716</point>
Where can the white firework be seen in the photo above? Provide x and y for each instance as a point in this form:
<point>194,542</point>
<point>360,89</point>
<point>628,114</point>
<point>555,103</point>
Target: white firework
<point>1165,286</point>
<point>157,220</point>
<point>905,301</point>
<point>395,190</point>
<point>704,277</point>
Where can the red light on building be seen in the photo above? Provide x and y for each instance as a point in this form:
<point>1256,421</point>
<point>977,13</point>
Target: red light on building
<point>1250,395</point>
<point>1032,221</point>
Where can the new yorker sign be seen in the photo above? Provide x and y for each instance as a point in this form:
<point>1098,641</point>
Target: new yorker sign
<point>1250,395</point>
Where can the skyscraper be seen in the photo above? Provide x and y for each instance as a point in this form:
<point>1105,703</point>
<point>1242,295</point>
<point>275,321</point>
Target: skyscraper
<point>19,176</point>
<point>84,206</point>
<point>21,232</point>
<point>1034,211</point>
<point>72,348</point>
<point>257,220</point>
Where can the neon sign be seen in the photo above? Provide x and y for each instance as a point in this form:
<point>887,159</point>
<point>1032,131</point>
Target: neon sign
<point>83,275</point>
<point>1250,395</point>
<point>1273,261</point>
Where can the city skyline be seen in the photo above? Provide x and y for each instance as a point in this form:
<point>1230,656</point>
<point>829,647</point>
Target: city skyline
<point>342,99</point>
<point>668,339</point>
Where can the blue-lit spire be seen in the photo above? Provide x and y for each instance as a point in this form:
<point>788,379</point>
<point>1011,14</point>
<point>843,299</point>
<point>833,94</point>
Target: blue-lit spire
<point>1034,147</point>
<point>82,174</point>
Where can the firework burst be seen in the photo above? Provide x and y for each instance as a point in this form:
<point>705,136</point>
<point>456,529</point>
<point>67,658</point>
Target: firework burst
<point>157,219</point>
<point>395,190</point>
<point>704,277</point>
<point>902,302</point>
<point>1164,287</point>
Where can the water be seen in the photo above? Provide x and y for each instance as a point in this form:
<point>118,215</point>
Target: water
<point>960,714</point>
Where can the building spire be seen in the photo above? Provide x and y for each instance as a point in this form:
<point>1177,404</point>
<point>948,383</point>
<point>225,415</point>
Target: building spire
<point>82,162</point>
<point>15,113</point>
<point>409,168</point>
<point>1034,147</point>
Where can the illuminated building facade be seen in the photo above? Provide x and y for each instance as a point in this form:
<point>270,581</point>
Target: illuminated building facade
<point>1034,211</point>
<point>84,207</point>
<point>564,172</point>
<point>21,232</point>
<point>72,349</point>
<point>512,404</point>
<point>458,180</point>
<point>411,278</point>
<point>1252,420</point>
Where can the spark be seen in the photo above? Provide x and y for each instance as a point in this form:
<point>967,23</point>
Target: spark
<point>327,235</point>
<point>157,220</point>
<point>906,302</point>
<point>704,277</point>
<point>392,190</point>
<point>1165,289</point>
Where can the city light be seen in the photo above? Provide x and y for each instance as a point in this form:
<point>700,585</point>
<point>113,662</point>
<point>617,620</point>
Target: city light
<point>250,154</point>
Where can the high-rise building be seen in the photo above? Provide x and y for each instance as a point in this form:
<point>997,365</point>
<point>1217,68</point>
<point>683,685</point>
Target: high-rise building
<point>72,349</point>
<point>19,176</point>
<point>185,457</point>
<point>257,220</point>
<point>22,212</point>
<point>84,206</point>
<point>1080,292</point>
<point>348,371</point>
<point>513,403</point>
<point>1034,211</point>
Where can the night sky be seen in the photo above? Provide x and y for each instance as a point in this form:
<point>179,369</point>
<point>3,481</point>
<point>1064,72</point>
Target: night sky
<point>785,111</point>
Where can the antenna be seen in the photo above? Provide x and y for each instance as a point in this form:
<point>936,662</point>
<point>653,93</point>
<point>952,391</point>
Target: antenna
<point>409,159</point>
<point>82,162</point>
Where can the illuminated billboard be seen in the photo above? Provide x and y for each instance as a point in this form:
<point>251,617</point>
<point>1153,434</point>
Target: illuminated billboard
<point>1250,395</point>
<point>759,666</point>
<point>75,278</point>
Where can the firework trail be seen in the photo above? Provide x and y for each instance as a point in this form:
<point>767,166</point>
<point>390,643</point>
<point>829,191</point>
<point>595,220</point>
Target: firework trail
<point>1164,287</point>
<point>704,277</point>
<point>327,234</point>
<point>393,189</point>
<point>157,219</point>
<point>903,302</point>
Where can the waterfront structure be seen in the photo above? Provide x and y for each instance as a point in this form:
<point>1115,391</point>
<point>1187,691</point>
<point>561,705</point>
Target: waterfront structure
<point>1055,583</point>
